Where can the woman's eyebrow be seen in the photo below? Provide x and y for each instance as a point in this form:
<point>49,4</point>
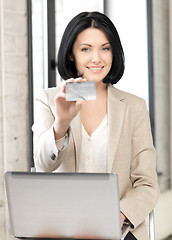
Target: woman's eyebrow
<point>105,43</point>
<point>87,44</point>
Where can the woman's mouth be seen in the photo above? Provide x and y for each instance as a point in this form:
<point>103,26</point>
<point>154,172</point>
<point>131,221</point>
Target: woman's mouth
<point>95,69</point>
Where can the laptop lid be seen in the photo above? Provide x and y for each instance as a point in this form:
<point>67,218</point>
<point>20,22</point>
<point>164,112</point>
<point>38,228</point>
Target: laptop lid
<point>63,205</point>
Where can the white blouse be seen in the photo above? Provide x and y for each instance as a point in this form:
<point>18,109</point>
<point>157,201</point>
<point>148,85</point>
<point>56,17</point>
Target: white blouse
<point>94,150</point>
<point>93,156</point>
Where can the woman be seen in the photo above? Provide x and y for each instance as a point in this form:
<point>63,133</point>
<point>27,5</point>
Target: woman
<point>109,134</point>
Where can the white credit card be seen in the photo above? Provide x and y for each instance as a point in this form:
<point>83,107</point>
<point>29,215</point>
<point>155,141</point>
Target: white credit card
<point>76,91</point>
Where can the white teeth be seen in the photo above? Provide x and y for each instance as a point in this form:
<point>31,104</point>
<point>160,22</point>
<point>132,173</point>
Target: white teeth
<point>95,69</point>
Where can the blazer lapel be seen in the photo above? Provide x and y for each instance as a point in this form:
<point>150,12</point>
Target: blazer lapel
<point>116,111</point>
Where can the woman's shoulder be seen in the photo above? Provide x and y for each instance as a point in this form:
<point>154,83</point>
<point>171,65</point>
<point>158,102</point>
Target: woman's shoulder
<point>46,97</point>
<point>51,91</point>
<point>47,93</point>
<point>126,96</point>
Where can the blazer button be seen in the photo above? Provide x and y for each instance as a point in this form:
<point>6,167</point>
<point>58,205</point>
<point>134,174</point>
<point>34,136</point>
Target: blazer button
<point>53,156</point>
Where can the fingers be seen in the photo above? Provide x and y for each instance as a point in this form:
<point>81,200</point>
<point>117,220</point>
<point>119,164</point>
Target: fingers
<point>64,84</point>
<point>80,102</point>
<point>79,79</point>
<point>61,96</point>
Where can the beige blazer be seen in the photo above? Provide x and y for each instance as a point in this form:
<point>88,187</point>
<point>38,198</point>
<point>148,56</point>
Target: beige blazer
<point>131,153</point>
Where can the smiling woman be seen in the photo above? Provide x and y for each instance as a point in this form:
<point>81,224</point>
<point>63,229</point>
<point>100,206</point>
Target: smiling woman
<point>103,33</point>
<point>92,59</point>
<point>108,134</point>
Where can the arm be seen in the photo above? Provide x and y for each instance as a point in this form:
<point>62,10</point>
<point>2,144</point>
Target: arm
<point>45,149</point>
<point>52,122</point>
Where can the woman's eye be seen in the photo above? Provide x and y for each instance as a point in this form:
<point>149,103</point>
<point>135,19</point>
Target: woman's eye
<point>106,49</point>
<point>84,49</point>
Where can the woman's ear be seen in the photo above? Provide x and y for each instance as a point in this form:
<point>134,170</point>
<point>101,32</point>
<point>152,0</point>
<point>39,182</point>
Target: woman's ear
<point>71,57</point>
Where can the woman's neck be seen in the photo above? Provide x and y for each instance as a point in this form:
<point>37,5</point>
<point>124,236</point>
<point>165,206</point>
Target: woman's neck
<point>101,89</point>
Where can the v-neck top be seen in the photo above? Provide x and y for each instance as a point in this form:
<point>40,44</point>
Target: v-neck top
<point>93,156</point>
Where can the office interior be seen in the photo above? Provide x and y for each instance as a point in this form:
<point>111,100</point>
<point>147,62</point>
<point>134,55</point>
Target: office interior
<point>30,33</point>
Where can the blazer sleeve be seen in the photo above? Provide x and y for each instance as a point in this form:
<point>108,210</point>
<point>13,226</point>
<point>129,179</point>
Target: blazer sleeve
<point>45,149</point>
<point>139,201</point>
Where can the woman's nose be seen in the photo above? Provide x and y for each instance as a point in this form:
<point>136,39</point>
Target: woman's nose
<point>95,57</point>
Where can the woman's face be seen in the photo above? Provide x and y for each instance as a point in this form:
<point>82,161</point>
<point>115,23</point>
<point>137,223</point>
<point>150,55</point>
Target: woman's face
<point>92,54</point>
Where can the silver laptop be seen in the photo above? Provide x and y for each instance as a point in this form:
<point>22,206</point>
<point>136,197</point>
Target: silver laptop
<point>64,205</point>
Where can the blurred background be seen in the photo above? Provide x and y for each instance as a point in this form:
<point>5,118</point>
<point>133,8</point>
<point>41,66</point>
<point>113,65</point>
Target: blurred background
<point>30,33</point>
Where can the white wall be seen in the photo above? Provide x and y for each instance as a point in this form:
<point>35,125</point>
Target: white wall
<point>163,213</point>
<point>13,98</point>
<point>161,47</point>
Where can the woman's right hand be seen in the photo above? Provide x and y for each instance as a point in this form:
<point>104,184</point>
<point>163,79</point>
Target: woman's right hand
<point>65,111</point>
